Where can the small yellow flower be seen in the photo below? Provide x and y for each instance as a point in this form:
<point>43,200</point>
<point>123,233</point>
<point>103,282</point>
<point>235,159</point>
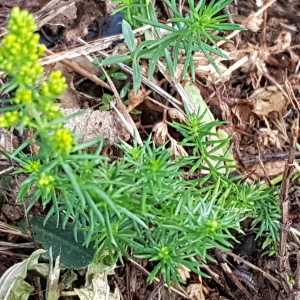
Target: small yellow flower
<point>10,40</point>
<point>46,181</point>
<point>62,142</point>
<point>24,96</point>
<point>10,118</point>
<point>57,83</point>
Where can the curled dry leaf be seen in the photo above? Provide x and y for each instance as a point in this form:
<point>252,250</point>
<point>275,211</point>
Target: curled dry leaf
<point>252,23</point>
<point>269,139</point>
<point>160,131</point>
<point>135,98</point>
<point>196,291</point>
<point>176,149</point>
<point>184,272</point>
<point>242,110</point>
<point>268,99</point>
<point>284,40</point>
<point>97,124</point>
<point>177,115</point>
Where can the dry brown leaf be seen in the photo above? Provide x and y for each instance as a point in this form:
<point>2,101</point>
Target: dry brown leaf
<point>184,272</point>
<point>268,99</point>
<point>252,23</point>
<point>176,115</point>
<point>269,138</point>
<point>273,168</point>
<point>135,98</point>
<point>160,131</point>
<point>195,291</point>
<point>176,149</point>
<point>97,124</point>
<point>242,111</point>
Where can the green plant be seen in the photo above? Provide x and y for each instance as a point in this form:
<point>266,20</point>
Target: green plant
<point>132,8</point>
<point>132,57</point>
<point>120,76</point>
<point>140,202</point>
<point>33,104</point>
<point>192,34</point>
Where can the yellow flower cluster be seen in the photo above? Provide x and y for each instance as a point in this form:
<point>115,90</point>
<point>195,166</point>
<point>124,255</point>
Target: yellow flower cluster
<point>19,53</point>
<point>24,96</point>
<point>20,49</point>
<point>34,99</point>
<point>50,89</point>
<point>51,110</point>
<point>62,142</point>
<point>46,181</point>
<point>10,118</point>
<point>55,85</point>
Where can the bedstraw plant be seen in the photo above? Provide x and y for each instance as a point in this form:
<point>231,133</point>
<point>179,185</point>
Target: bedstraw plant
<point>198,32</point>
<point>142,205</point>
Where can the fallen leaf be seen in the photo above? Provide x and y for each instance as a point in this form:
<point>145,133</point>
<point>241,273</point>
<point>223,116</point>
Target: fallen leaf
<point>268,99</point>
<point>160,131</point>
<point>273,168</point>
<point>184,272</point>
<point>135,98</point>
<point>176,115</point>
<point>195,291</point>
<point>252,23</point>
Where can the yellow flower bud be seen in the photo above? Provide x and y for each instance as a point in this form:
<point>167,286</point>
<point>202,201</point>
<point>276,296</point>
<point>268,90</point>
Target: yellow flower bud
<point>24,96</point>
<point>62,141</point>
<point>46,181</point>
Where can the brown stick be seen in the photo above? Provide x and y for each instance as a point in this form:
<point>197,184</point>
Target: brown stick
<point>84,73</point>
<point>283,263</point>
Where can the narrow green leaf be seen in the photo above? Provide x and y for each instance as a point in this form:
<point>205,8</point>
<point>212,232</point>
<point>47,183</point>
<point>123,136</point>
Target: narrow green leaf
<point>128,35</point>
<point>115,60</point>
<point>155,23</point>
<point>137,75</point>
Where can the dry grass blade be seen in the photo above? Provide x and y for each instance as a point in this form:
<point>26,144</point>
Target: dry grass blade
<point>150,84</point>
<point>122,112</point>
<point>272,279</point>
<point>51,10</point>
<point>83,72</point>
<point>12,230</point>
<point>180,292</point>
<point>95,46</point>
